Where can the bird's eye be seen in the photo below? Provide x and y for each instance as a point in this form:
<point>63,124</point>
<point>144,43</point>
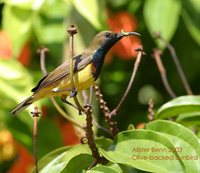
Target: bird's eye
<point>107,34</point>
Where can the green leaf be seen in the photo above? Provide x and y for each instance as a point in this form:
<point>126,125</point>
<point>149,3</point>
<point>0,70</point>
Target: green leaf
<point>56,9</point>
<point>90,10</point>
<point>80,158</point>
<point>180,105</point>
<point>18,23</point>
<point>52,155</point>
<point>127,150</point>
<point>162,17</point>
<point>102,169</point>
<point>50,22</point>
<point>73,159</point>
<point>123,169</point>
<point>189,119</point>
<point>78,163</point>
<point>47,32</point>
<point>177,130</point>
<point>190,16</point>
<point>58,163</point>
<point>104,143</point>
<point>26,4</point>
<point>184,141</point>
<point>17,83</point>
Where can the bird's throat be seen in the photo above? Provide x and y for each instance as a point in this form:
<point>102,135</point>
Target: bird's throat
<point>100,53</point>
<point>98,60</point>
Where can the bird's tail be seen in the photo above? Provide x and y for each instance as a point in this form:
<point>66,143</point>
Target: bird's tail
<point>23,105</point>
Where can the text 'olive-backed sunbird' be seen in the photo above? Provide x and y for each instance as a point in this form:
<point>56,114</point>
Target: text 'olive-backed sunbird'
<point>87,67</point>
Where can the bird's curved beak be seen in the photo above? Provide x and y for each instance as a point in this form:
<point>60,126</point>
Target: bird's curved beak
<point>122,34</point>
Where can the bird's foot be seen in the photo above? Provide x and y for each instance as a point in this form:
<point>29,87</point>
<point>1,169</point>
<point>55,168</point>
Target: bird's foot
<point>88,106</point>
<point>64,100</point>
<point>73,92</point>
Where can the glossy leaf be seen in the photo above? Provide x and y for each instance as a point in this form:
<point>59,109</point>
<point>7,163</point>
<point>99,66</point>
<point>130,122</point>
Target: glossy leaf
<point>58,163</point>
<point>79,159</point>
<point>47,32</point>
<point>90,10</point>
<point>177,130</point>
<point>102,169</point>
<point>50,156</point>
<point>26,4</point>
<point>73,159</point>
<point>162,17</point>
<point>16,84</point>
<point>180,105</point>
<point>190,119</point>
<point>125,151</point>
<point>78,163</point>
<point>59,9</point>
<point>18,22</point>
<point>190,16</point>
<point>16,81</point>
<point>184,141</point>
<point>50,22</point>
<point>123,169</point>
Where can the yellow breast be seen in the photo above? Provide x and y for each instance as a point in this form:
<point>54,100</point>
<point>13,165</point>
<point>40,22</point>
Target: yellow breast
<point>84,78</point>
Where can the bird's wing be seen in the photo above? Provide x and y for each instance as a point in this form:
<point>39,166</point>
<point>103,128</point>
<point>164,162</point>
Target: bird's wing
<point>62,71</point>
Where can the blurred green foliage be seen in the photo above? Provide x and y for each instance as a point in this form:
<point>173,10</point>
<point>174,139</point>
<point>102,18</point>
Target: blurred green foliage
<point>44,23</point>
<point>133,151</point>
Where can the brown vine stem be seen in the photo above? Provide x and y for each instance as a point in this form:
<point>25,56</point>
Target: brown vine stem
<point>156,55</point>
<point>72,30</point>
<point>90,137</point>
<point>177,64</point>
<point>35,114</point>
<point>42,51</point>
<point>87,110</point>
<point>136,65</point>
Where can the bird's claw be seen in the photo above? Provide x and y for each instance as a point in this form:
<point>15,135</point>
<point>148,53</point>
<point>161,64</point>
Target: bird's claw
<point>73,92</point>
<point>88,106</point>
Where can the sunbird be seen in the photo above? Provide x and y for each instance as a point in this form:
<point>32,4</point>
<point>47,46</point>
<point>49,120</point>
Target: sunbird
<point>86,69</point>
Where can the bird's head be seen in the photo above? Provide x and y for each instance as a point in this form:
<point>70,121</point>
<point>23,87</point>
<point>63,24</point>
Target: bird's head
<point>106,39</point>
<point>101,44</point>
